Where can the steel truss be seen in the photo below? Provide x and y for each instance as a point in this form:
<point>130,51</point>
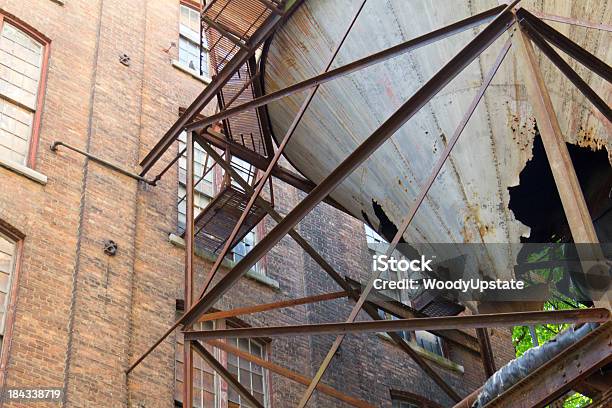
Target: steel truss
<point>531,29</point>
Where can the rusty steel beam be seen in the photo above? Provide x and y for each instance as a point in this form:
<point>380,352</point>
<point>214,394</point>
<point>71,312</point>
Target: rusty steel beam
<point>220,141</point>
<point>272,306</point>
<point>597,315</point>
<point>353,161</point>
<point>559,374</point>
<point>226,375</point>
<point>215,86</point>
<point>561,165</point>
<point>333,274</point>
<point>277,156</point>
<point>469,399</point>
<point>568,46</point>
<point>572,21</point>
<point>354,66</point>
<point>189,249</point>
<point>278,218</point>
<point>407,221</point>
<point>468,54</point>
<point>271,6</point>
<point>292,375</point>
<point>372,312</point>
<point>486,352</point>
<point>226,32</point>
<point>560,162</point>
<point>566,69</point>
<point>398,309</point>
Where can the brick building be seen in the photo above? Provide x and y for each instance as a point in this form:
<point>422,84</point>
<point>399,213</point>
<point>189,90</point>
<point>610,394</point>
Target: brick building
<point>110,77</point>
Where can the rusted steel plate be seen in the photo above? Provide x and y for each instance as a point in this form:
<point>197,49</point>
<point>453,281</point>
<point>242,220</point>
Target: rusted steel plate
<point>469,200</point>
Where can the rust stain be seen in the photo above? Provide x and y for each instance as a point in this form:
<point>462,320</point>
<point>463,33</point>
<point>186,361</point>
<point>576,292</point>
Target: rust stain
<point>588,138</point>
<point>472,217</point>
<point>523,131</point>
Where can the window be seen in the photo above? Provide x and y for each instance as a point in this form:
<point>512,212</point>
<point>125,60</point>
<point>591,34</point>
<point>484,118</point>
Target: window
<point>204,188</point>
<point>403,399</point>
<point>204,377</point>
<point>388,316</point>
<point>189,42</point>
<point>22,57</point>
<point>397,403</point>
<point>244,246</point>
<point>429,342</point>
<point>245,170</point>
<point>208,387</point>
<point>250,375</point>
<point>8,250</point>
<point>424,339</point>
<point>372,237</point>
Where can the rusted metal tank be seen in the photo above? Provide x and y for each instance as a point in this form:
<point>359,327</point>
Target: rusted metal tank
<point>469,201</point>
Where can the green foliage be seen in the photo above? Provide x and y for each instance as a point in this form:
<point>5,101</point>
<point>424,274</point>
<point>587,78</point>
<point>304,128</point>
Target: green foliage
<point>521,337</point>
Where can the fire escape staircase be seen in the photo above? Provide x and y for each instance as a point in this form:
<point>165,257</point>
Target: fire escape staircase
<point>226,27</point>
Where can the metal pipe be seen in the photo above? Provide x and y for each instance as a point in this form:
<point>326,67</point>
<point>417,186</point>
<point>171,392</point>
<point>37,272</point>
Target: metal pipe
<point>103,162</point>
<point>598,315</point>
<point>354,160</point>
<point>357,65</point>
<point>559,374</point>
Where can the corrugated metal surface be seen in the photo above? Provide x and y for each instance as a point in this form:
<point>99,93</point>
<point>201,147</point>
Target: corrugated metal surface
<point>239,19</point>
<point>469,200</point>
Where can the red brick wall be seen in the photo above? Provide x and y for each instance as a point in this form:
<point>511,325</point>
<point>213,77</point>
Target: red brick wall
<point>82,316</point>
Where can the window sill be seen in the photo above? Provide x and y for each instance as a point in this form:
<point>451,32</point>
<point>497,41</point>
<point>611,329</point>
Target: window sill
<point>181,67</point>
<point>251,273</point>
<point>441,361</point>
<point>24,171</point>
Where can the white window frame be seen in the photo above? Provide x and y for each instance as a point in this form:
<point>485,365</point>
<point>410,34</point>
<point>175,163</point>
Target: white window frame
<point>9,284</point>
<point>221,355</point>
<point>190,38</point>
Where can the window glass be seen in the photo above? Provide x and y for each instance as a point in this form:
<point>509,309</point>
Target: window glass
<point>204,377</point>
<point>372,237</point>
<point>7,266</point>
<point>249,374</point>
<point>207,384</point>
<point>429,342</point>
<point>20,71</point>
<point>397,403</point>
<point>189,42</point>
<point>203,190</point>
